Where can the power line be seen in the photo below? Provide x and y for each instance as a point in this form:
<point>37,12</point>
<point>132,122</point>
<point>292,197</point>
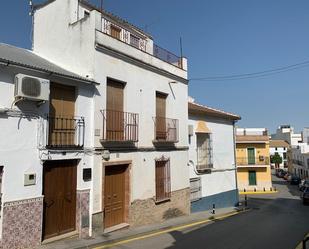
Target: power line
<point>259,74</point>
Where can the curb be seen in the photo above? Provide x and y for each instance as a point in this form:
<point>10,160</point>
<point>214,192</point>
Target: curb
<point>258,192</point>
<point>164,230</point>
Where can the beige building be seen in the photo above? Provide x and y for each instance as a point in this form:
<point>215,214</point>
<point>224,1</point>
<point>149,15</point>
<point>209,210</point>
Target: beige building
<point>252,159</point>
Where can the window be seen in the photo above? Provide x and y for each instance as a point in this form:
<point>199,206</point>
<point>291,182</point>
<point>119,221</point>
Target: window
<point>195,189</point>
<point>252,178</point>
<point>276,148</point>
<point>134,41</point>
<point>284,148</point>
<point>163,181</point>
<point>204,151</point>
<point>284,155</point>
<point>86,14</point>
<point>115,32</point>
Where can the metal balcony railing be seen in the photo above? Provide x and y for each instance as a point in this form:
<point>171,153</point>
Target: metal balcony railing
<point>166,129</point>
<point>166,56</point>
<point>245,161</point>
<point>120,126</point>
<point>65,132</point>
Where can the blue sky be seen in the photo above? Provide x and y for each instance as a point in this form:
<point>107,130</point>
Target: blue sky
<point>220,37</point>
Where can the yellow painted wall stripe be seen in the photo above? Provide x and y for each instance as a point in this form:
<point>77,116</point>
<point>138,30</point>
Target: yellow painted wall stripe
<point>166,231</point>
<point>257,192</point>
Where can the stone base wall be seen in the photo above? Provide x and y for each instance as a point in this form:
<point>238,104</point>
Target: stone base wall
<point>22,223</point>
<point>82,213</point>
<point>144,212</point>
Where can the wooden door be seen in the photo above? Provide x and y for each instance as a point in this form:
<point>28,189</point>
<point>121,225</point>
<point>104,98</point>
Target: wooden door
<point>114,195</point>
<point>251,155</point>
<point>61,120</point>
<point>59,190</point>
<point>161,131</point>
<point>114,115</point>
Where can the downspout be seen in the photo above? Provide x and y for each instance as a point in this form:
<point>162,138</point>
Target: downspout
<point>234,142</point>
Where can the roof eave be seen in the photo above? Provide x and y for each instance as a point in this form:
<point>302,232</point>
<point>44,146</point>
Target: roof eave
<point>6,62</point>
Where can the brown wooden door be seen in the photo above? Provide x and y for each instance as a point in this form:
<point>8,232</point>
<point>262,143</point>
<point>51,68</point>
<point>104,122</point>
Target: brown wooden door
<point>59,190</point>
<point>114,195</point>
<point>161,133</point>
<point>61,121</point>
<point>114,115</point>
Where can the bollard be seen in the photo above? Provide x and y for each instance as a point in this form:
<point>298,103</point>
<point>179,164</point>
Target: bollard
<point>254,189</point>
<point>246,201</point>
<point>213,208</point>
<point>264,189</point>
<point>271,189</point>
<point>244,190</point>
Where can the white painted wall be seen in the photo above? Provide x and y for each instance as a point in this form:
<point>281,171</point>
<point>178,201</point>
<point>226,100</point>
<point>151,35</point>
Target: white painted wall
<point>223,177</point>
<point>73,47</point>
<point>22,149</point>
<point>280,151</point>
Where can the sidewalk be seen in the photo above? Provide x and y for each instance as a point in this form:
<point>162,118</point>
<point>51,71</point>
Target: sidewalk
<point>76,243</point>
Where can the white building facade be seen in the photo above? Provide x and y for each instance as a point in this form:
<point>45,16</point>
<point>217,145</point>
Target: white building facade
<point>280,147</point>
<point>45,133</point>
<point>212,158</point>
<point>140,112</point>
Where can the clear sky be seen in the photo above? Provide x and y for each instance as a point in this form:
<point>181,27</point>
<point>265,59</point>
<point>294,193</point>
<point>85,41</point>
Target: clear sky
<point>220,37</point>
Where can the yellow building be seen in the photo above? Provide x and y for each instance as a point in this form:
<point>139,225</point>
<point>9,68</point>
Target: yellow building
<point>252,159</point>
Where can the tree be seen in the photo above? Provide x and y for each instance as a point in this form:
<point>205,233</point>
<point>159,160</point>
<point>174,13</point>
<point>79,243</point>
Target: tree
<point>277,160</point>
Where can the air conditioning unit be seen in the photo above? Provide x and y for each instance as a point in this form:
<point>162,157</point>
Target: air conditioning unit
<point>32,88</point>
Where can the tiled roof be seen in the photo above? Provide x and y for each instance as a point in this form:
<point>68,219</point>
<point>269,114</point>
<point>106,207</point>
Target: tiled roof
<point>197,108</point>
<point>278,143</point>
<point>11,55</point>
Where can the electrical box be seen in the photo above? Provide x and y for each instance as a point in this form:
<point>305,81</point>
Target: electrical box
<point>29,179</point>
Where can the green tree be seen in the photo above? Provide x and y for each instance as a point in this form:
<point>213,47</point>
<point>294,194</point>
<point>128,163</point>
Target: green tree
<point>277,160</point>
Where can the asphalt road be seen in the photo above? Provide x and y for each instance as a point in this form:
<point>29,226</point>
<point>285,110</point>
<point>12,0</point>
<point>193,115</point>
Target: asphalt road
<point>274,221</point>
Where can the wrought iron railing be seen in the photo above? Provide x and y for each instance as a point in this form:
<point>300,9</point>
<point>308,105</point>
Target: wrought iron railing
<point>65,132</point>
<point>244,161</point>
<point>166,129</point>
<point>120,126</point>
<point>166,56</point>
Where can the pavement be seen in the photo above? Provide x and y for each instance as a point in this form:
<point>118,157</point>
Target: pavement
<point>273,221</point>
<point>141,232</point>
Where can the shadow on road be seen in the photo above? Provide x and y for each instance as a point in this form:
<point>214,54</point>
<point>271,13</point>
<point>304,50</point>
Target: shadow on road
<point>253,229</point>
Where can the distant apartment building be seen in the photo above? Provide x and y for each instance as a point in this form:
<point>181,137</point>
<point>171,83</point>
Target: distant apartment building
<point>300,156</point>
<point>253,159</point>
<point>286,133</point>
<point>281,148</point>
<point>212,158</point>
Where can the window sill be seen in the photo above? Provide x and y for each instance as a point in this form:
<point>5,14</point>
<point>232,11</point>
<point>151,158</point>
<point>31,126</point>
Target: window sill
<point>157,202</point>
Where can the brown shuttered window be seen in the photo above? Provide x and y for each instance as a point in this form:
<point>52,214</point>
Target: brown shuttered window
<point>115,32</point>
<point>163,180</point>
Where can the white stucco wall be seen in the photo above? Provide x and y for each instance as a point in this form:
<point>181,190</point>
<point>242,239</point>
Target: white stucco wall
<point>22,148</point>
<point>73,45</point>
<point>280,151</point>
<point>223,177</point>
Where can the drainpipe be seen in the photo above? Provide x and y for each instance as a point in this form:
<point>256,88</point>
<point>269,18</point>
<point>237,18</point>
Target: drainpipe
<point>234,144</point>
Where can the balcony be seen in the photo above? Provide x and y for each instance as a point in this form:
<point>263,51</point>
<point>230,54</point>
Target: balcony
<point>65,133</point>
<point>166,130</point>
<point>120,126</point>
<point>136,40</point>
<point>260,161</point>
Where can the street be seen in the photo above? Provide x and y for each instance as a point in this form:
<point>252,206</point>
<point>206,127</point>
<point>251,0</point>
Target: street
<point>273,221</point>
